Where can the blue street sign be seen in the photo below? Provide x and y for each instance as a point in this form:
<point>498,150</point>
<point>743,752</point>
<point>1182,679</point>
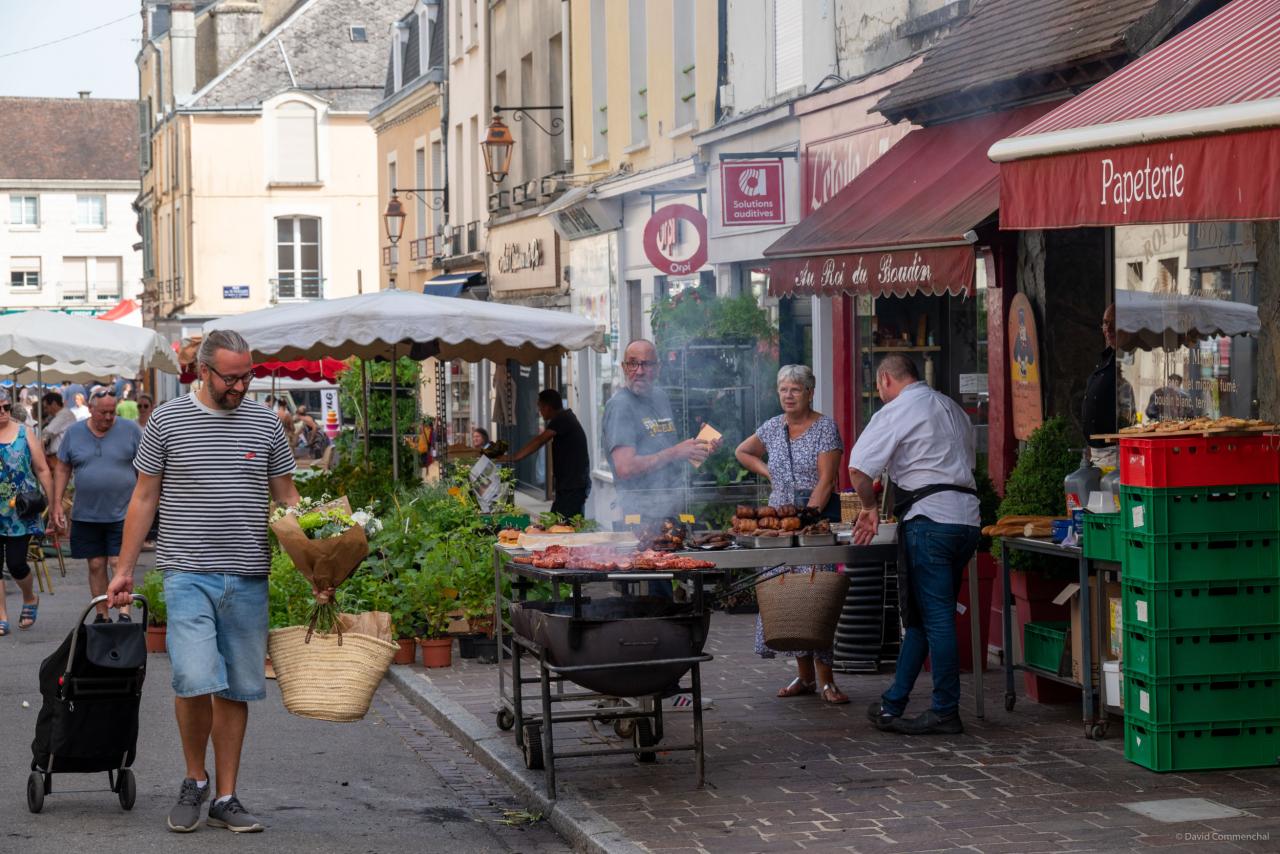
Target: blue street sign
<point>235,291</point>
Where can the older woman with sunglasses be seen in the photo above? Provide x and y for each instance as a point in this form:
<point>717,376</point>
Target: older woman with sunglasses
<point>798,452</point>
<point>25,471</point>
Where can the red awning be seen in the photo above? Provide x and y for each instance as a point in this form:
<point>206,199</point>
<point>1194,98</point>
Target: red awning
<point>900,227</point>
<point>1188,133</point>
<point>323,370</point>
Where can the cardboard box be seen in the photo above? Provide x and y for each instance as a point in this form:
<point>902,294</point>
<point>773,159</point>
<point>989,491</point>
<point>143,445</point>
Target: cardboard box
<point>1100,643</point>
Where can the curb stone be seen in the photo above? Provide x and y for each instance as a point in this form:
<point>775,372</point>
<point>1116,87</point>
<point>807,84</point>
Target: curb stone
<point>584,828</point>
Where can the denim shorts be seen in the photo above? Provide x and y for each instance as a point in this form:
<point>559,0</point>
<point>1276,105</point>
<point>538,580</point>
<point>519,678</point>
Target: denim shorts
<point>217,636</point>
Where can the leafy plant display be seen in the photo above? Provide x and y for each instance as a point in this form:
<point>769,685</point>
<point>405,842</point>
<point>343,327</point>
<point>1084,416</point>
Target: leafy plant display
<point>153,589</point>
<point>1034,487</point>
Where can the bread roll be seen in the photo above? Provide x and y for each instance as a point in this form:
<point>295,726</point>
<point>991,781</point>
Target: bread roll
<point>747,526</point>
<point>745,511</point>
<point>766,513</point>
<point>768,522</point>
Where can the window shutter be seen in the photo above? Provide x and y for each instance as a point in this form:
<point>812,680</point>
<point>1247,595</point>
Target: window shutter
<point>788,42</point>
<point>295,142</point>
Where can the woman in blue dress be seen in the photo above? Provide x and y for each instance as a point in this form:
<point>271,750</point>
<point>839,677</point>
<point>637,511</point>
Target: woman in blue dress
<point>24,469</point>
<point>799,452</point>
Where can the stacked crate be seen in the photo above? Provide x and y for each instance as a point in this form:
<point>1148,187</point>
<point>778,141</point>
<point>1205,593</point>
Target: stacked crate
<point>1200,564</point>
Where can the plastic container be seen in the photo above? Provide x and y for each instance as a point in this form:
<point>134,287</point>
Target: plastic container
<point>1199,699</point>
<point>1193,461</point>
<point>1110,487</point>
<point>1151,512</point>
<point>1201,605</point>
<point>1201,557</point>
<point>1102,539</point>
<point>1084,480</point>
<point>1166,653</point>
<point>1202,747</point>
<point>1044,646</point>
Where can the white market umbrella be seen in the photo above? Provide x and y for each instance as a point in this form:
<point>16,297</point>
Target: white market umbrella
<point>47,337</point>
<point>1148,321</point>
<point>60,372</point>
<point>381,323</point>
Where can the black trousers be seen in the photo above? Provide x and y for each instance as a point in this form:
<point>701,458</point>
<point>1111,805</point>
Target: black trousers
<point>570,502</point>
<point>15,555</point>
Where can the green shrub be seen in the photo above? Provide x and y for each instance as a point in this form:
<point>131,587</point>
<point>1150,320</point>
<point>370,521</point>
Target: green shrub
<point>1034,487</point>
<point>153,588</point>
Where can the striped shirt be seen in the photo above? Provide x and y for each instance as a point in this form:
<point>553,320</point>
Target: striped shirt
<point>214,467</point>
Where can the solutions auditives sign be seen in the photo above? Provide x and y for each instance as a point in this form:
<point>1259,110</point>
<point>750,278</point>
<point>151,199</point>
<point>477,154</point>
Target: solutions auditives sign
<point>751,192</point>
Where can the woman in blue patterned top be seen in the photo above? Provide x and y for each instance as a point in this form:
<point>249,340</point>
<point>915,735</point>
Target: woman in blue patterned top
<point>24,470</point>
<point>799,452</point>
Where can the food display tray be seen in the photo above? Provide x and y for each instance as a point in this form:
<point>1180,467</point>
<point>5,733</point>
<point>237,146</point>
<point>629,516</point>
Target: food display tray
<point>750,542</point>
<point>816,539</point>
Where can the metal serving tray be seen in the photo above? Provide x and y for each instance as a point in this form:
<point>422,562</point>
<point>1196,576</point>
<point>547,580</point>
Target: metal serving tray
<point>750,542</point>
<point>816,539</point>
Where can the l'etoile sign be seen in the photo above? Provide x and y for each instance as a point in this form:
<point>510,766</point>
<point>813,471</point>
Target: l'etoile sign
<point>751,192</point>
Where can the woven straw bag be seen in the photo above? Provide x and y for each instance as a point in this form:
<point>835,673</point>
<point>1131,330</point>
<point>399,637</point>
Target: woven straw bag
<point>850,506</point>
<point>328,677</point>
<point>800,611</point>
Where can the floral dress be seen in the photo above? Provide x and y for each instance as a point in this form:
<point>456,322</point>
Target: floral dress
<point>821,437</point>
<point>15,458</point>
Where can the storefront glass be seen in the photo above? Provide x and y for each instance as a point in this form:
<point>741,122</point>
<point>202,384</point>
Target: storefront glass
<point>594,277</point>
<point>1187,320</point>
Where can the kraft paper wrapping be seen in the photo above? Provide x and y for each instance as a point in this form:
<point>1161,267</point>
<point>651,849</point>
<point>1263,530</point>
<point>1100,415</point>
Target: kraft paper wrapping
<point>373,623</point>
<point>325,563</point>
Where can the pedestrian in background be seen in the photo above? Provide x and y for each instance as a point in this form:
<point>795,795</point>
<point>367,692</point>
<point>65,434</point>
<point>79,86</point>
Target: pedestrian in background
<point>98,454</point>
<point>570,463</point>
<point>145,405</point>
<point>60,418</point>
<point>80,410</point>
<point>25,471</point>
<point>210,465</point>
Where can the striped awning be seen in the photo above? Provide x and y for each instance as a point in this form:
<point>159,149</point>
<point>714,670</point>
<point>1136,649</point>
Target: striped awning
<point>1188,133</point>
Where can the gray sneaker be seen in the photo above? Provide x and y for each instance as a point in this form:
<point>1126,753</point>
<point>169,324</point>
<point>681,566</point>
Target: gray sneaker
<point>185,815</point>
<point>233,816</point>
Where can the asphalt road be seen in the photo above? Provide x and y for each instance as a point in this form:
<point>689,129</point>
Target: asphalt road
<point>390,783</point>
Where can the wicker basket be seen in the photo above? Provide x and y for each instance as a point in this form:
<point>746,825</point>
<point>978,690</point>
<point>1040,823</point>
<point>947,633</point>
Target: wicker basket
<point>799,611</point>
<point>850,506</point>
<point>325,679</point>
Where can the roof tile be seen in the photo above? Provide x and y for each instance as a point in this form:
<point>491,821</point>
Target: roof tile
<point>69,139</point>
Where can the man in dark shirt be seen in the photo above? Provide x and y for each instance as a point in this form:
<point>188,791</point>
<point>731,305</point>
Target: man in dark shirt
<point>570,463</point>
<point>1108,399</point>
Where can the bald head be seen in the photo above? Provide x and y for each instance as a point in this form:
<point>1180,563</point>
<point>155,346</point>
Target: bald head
<point>640,366</point>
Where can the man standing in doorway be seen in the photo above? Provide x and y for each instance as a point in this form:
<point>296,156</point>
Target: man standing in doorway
<point>211,465</point>
<point>98,454</point>
<point>925,442</point>
<point>570,464</point>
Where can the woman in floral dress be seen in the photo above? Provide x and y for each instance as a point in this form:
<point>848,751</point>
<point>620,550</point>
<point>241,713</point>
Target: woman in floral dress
<point>24,469</point>
<point>799,452</point>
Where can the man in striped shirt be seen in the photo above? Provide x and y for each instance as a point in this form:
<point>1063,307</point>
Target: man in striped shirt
<point>210,465</point>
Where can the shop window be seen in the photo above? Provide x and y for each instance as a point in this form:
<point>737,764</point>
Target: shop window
<point>298,272</point>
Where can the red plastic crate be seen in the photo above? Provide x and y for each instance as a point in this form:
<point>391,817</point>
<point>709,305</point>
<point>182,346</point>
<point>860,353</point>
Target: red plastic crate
<point>1193,461</point>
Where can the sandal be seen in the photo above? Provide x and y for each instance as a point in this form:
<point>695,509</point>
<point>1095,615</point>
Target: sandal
<point>798,687</point>
<point>833,695</point>
<point>27,616</point>
<point>4,628</point>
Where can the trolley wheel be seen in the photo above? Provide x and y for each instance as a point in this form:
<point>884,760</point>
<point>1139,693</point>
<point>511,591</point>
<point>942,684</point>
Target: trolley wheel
<point>506,719</point>
<point>533,747</point>
<point>644,738</point>
<point>126,788</point>
<point>1009,701</point>
<point>624,727</point>
<point>1096,731</point>
<point>35,791</point>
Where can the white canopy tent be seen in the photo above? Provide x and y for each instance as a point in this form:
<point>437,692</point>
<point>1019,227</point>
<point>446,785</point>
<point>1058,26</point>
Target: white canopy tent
<point>385,324</point>
<point>1148,321</point>
<point>48,337</point>
<point>60,372</point>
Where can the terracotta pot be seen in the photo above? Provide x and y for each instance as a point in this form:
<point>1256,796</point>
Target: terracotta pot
<point>408,651</point>
<point>436,652</point>
<point>155,638</point>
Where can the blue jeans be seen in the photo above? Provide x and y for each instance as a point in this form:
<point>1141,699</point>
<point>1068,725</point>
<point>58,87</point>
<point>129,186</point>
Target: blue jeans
<point>939,554</point>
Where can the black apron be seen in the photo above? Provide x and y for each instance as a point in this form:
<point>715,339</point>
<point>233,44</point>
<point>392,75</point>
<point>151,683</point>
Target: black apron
<point>904,500</point>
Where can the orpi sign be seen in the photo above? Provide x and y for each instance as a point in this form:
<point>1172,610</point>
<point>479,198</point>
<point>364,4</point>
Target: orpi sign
<point>663,222</point>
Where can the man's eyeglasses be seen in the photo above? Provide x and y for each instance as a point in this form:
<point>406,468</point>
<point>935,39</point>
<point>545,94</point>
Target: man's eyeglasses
<point>231,380</point>
<point>637,364</point>
<point>5,407</point>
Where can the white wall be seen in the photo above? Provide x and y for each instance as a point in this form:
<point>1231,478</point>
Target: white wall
<point>57,236</point>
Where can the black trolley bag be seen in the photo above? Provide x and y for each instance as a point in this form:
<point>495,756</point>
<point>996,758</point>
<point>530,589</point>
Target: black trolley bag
<point>88,721</point>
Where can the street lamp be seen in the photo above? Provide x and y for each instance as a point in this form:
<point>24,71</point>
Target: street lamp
<point>393,220</point>
<point>496,149</point>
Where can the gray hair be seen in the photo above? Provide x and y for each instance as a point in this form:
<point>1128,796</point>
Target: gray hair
<point>221,339</point>
<point>801,374</point>
<point>899,366</point>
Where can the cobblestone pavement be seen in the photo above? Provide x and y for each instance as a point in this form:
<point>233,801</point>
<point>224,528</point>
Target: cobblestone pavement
<point>799,775</point>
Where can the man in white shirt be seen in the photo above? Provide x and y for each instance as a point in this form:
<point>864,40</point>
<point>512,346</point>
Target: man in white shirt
<point>924,441</point>
<point>60,418</point>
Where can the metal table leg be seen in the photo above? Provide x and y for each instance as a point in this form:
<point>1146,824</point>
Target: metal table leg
<point>1086,656</point>
<point>548,743</point>
<point>698,754</point>
<point>1006,623</point>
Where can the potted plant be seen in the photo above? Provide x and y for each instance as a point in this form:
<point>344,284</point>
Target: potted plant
<point>432,602</point>
<point>157,618</point>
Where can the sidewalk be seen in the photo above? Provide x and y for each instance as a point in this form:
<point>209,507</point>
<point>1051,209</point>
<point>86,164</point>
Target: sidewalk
<point>796,774</point>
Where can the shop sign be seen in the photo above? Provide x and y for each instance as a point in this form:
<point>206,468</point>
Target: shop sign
<point>520,256</point>
<point>235,291</point>
<point>662,238</point>
<point>1202,179</point>
<point>896,273</point>
<point>1024,367</point>
<point>751,192</point>
<point>830,165</point>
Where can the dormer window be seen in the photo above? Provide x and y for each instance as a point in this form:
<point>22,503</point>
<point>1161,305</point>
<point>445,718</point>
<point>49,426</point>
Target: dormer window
<point>359,34</point>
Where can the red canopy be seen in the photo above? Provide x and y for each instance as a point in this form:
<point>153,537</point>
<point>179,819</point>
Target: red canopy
<point>902,226</point>
<point>324,370</point>
<point>1188,133</point>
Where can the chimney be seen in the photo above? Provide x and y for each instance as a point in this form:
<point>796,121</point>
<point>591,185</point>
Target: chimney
<point>84,94</point>
<point>182,49</point>
<point>237,25</point>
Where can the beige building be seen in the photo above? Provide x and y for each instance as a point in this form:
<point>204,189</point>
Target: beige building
<point>259,175</point>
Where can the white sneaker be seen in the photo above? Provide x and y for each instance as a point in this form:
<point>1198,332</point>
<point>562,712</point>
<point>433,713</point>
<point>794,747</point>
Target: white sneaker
<point>684,703</point>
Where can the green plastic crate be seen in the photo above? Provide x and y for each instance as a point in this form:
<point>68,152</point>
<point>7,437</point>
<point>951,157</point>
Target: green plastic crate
<point>1200,699</point>
<point>1044,645</point>
<point>1200,652</point>
<point>1208,510</point>
<point>1202,747</point>
<point>1201,557</point>
<point>1201,604</point>
<point>1102,540</point>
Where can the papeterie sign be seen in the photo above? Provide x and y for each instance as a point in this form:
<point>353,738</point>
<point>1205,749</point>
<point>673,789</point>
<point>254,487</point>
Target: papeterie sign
<point>751,192</point>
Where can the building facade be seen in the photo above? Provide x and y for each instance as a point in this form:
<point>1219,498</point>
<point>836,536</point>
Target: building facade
<point>68,177</point>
